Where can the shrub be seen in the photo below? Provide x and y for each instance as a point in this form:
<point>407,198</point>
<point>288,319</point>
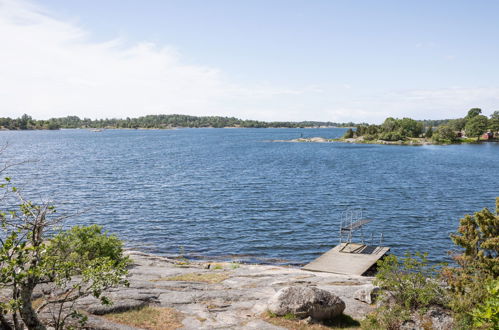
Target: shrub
<point>410,281</point>
<point>78,263</point>
<point>88,243</point>
<point>386,317</point>
<point>392,136</point>
<point>408,285</point>
<point>486,315</point>
<point>478,264</point>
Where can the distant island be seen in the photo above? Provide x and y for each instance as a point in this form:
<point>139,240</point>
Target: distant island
<point>472,128</point>
<point>26,122</point>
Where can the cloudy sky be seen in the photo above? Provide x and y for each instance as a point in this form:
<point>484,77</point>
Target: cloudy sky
<point>267,60</point>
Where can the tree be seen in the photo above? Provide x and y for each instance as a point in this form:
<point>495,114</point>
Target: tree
<point>77,263</point>
<point>476,126</point>
<point>24,121</point>
<point>444,134</point>
<point>457,124</point>
<point>478,235</point>
<point>494,122</point>
<point>429,132</point>
<point>390,125</point>
<point>477,264</point>
<point>473,112</point>
<point>348,134</point>
<point>411,127</point>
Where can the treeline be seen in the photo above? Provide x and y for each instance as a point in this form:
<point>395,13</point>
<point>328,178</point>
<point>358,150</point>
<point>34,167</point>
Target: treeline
<point>155,121</point>
<point>473,125</point>
<point>391,130</point>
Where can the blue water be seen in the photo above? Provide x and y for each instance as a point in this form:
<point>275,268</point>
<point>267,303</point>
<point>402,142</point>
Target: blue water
<point>230,193</point>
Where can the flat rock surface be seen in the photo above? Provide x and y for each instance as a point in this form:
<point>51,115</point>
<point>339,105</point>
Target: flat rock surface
<point>235,296</point>
<point>221,296</point>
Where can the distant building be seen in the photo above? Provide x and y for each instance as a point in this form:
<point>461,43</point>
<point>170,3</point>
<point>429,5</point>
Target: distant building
<point>487,136</point>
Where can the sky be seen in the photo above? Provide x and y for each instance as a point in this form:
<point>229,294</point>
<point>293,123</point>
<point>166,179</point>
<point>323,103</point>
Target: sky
<point>333,60</point>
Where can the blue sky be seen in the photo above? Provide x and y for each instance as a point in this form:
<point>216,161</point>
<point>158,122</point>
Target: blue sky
<point>269,60</point>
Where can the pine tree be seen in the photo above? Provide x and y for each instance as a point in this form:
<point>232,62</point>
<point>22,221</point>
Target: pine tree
<point>479,236</point>
<point>477,265</point>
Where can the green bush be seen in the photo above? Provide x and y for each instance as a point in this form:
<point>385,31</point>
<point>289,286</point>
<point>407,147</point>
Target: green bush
<point>386,317</point>
<point>477,265</point>
<point>86,243</point>
<point>392,136</point>
<point>408,285</point>
<point>410,281</point>
<point>80,262</point>
<point>486,315</point>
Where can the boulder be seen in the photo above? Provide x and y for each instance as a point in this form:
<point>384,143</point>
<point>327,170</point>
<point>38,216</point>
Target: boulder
<point>367,293</point>
<point>306,301</point>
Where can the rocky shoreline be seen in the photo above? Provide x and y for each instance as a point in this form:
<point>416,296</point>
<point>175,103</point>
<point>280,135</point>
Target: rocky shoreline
<point>361,140</point>
<point>216,295</point>
<point>318,139</point>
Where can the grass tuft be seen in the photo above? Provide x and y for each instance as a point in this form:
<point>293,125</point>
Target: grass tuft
<point>211,278</point>
<point>292,322</point>
<point>150,318</point>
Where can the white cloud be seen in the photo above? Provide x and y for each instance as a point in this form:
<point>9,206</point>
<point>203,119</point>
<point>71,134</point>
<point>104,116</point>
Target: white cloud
<point>50,67</point>
<point>441,103</point>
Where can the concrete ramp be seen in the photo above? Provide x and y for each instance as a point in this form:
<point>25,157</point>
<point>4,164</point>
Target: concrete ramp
<point>348,259</point>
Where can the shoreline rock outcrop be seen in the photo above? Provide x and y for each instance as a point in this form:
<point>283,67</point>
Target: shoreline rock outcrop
<point>225,295</point>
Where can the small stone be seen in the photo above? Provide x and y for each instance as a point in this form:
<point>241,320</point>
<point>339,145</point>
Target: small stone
<point>307,320</point>
<point>367,293</point>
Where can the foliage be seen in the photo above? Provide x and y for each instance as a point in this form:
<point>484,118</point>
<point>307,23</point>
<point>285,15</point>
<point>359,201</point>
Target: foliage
<point>391,136</point>
<point>348,134</point>
<point>408,281</point>
<point>88,243</point>
<point>457,124</point>
<point>392,129</point>
<point>473,112</point>
<point>386,317</point>
<point>434,122</point>
<point>77,263</point>
<point>444,134</point>
<point>476,126</point>
<point>408,285</point>
<point>429,132</point>
<point>446,131</point>
<point>486,315</point>
<point>494,122</point>
<point>153,121</point>
<point>470,288</point>
<point>400,129</point>
<point>478,236</point>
